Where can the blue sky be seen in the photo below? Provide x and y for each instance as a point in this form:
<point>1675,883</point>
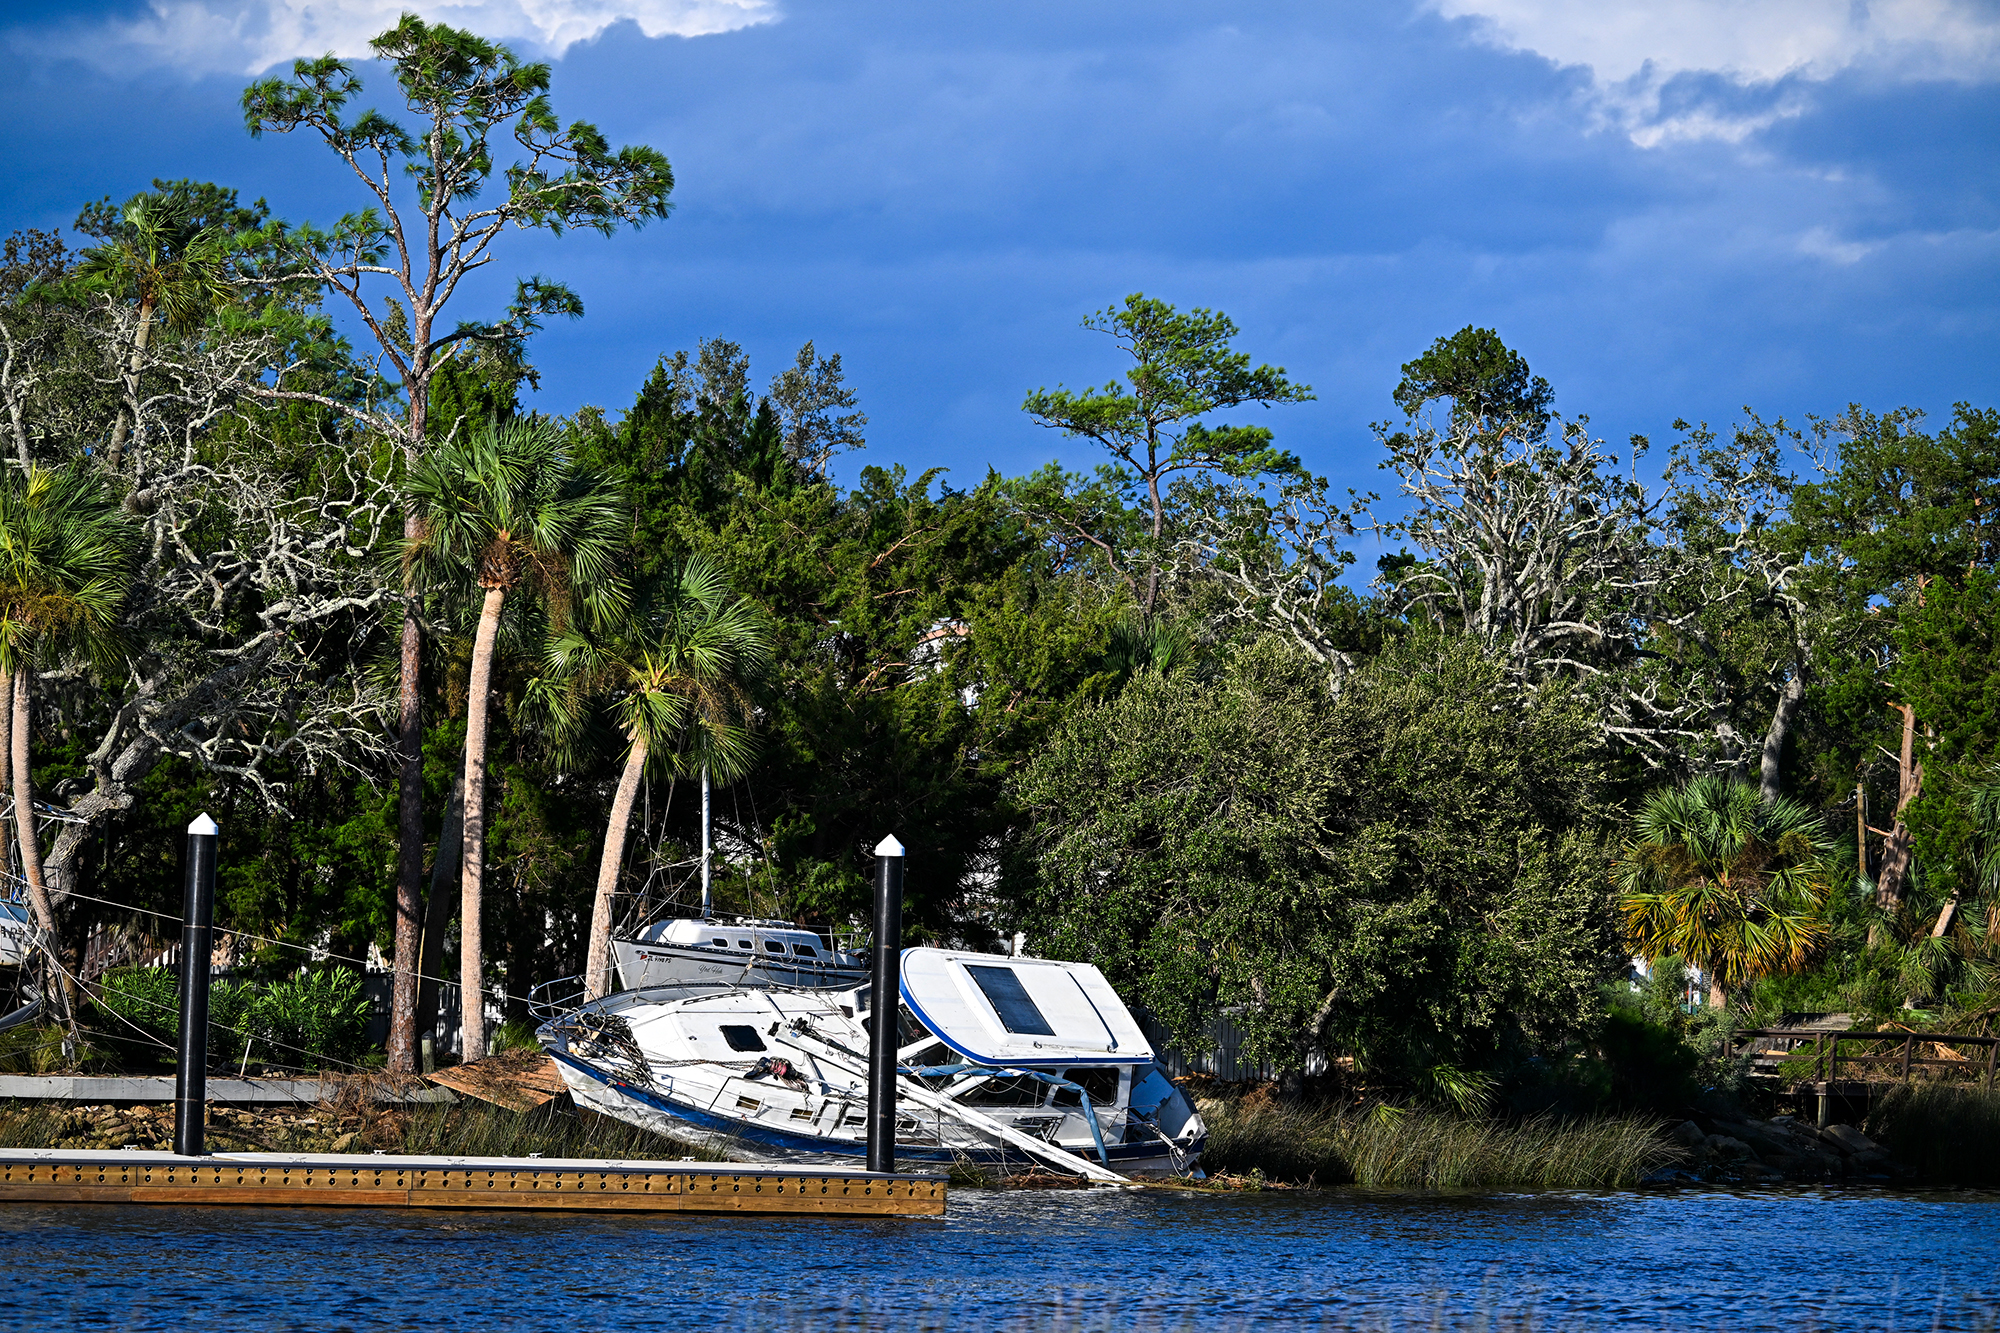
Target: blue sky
<point>1671,207</point>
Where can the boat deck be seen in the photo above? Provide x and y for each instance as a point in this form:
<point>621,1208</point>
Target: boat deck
<point>345,1180</point>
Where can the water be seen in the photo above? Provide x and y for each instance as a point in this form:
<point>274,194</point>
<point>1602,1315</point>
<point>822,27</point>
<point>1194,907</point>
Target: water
<point>1341,1259</point>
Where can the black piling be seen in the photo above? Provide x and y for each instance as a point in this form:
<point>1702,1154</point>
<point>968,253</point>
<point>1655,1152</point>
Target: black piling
<point>884,1029</point>
<point>197,932</point>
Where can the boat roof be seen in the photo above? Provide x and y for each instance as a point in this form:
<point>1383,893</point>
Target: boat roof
<point>696,930</point>
<point>996,1010</point>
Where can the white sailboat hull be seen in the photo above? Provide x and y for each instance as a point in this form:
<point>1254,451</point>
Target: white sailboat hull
<point>747,1141</point>
<point>780,1075</point>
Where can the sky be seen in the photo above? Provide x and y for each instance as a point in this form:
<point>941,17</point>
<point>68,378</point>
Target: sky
<point>1672,208</point>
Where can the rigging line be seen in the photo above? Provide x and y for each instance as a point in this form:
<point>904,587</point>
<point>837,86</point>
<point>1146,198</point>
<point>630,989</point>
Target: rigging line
<point>493,992</point>
<point>764,844</point>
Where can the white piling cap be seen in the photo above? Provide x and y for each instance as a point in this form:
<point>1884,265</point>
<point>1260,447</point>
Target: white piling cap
<point>203,826</point>
<point>889,847</point>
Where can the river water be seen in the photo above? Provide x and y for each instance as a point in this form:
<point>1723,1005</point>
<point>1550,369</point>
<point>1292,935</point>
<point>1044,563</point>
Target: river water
<point>1334,1259</point>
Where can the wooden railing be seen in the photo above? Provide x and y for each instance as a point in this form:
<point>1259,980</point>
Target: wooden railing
<point>1827,1059</point>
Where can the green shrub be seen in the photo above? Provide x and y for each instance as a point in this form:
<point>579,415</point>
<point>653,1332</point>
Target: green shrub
<point>313,1017</point>
<point>518,1035</point>
<point>310,1019</point>
<point>40,1049</point>
<point>142,1006</point>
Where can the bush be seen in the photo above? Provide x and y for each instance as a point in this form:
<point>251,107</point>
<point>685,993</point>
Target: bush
<point>314,1016</point>
<point>1655,1054</point>
<point>40,1049</point>
<point>308,1020</point>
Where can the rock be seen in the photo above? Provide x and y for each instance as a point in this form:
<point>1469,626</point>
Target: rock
<point>1848,1139</point>
<point>1726,1149</point>
<point>1688,1134</point>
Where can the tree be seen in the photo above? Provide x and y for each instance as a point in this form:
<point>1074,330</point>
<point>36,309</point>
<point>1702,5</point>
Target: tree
<point>45,355</point>
<point>1183,370</point>
<point>1905,543</point>
<point>677,665</point>
<point>167,252</point>
<point>1734,884</point>
<point>505,510</point>
<point>1409,873</point>
<point>464,90</point>
<point>922,645</point>
<point>65,558</point>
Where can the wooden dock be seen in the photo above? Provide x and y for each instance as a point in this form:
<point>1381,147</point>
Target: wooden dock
<point>332,1180</point>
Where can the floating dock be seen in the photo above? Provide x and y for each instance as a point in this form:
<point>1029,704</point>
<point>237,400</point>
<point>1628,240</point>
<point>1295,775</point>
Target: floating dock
<point>334,1180</point>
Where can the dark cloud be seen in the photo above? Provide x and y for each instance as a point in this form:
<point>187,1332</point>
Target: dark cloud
<point>941,192</point>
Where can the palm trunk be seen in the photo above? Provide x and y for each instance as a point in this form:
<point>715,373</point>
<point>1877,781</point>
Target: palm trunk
<point>122,431</point>
<point>597,960</point>
<point>6,733</point>
<point>471,960</point>
<point>24,826</point>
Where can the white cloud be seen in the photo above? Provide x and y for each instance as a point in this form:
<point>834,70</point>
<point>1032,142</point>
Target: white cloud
<point>1821,243</point>
<point>1635,48</point>
<point>206,36</point>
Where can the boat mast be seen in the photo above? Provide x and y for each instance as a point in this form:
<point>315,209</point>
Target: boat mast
<point>707,899</point>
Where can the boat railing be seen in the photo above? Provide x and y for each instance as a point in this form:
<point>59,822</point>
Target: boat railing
<point>553,999</point>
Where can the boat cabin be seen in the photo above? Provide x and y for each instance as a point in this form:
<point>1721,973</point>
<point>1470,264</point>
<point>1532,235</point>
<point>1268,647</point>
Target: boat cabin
<point>745,939</point>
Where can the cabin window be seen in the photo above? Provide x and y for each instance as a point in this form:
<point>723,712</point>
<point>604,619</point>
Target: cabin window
<point>1009,998</point>
<point>772,946</point>
<point>1012,1090</point>
<point>1101,1082</point>
<point>743,944</point>
<point>805,951</point>
<point>720,944</point>
<point>742,1037</point>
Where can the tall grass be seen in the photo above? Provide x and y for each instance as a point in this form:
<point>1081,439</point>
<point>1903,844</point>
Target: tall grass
<point>479,1129</point>
<point>462,1129</point>
<point>1429,1149</point>
<point>1946,1132</point>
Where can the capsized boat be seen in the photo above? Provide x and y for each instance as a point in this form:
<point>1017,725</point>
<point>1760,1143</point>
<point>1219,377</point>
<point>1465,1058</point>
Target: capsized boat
<point>735,951</point>
<point>1005,1063</point>
<point>17,930</point>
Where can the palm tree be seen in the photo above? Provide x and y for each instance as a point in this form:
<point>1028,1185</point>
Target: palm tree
<point>65,563</point>
<point>173,267</point>
<point>678,665</point>
<point>1732,883</point>
<point>504,509</point>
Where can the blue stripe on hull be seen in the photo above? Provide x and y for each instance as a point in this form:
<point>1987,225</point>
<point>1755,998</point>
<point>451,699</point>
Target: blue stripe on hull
<point>817,1145</point>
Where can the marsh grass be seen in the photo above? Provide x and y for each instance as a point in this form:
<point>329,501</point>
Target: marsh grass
<point>1415,1149</point>
<point>1945,1132</point>
<point>478,1129</point>
<point>462,1129</point>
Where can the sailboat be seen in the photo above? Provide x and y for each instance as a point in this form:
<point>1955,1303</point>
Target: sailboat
<point>731,951</point>
<point>1005,1062</point>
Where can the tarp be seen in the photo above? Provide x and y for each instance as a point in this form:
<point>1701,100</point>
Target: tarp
<point>1021,1011</point>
